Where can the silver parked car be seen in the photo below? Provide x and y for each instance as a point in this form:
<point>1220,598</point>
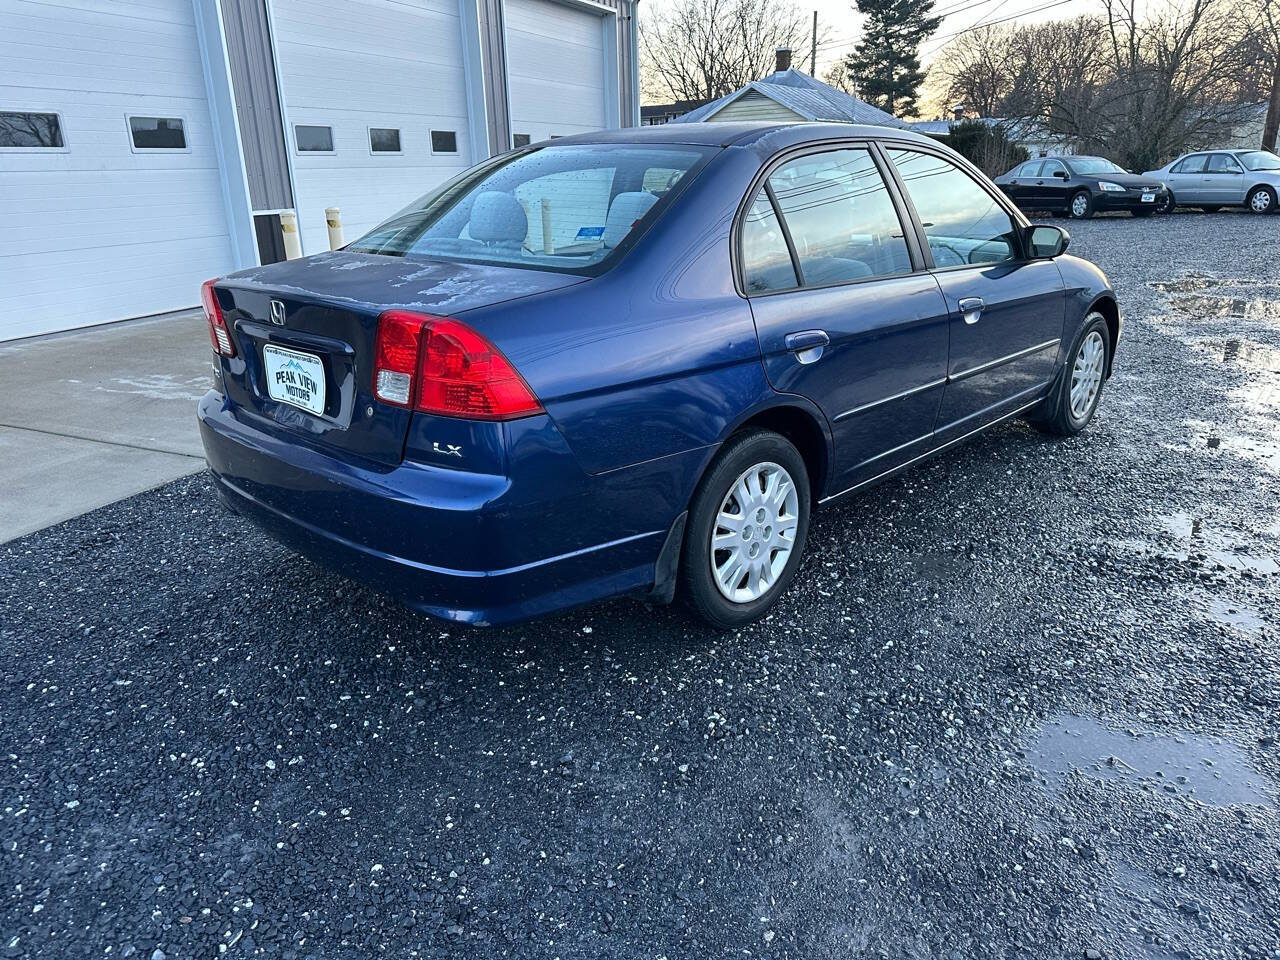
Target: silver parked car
<point>1211,179</point>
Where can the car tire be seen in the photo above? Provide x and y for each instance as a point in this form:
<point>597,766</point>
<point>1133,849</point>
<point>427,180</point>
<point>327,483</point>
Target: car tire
<point>1167,204</point>
<point>709,585</point>
<point>1080,206</point>
<point>1065,411</point>
<point>1261,199</point>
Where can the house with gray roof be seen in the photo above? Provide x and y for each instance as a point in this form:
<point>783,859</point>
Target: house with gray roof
<point>789,96</point>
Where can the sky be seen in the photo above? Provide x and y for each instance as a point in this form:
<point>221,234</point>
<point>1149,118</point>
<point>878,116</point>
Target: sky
<point>843,22</point>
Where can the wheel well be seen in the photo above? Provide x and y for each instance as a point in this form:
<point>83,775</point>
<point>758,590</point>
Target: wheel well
<point>1266,186</point>
<point>803,431</point>
<point>1111,313</point>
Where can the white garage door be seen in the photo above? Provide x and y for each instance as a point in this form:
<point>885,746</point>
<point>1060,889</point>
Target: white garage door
<point>375,100</point>
<point>93,226</point>
<point>555,62</point>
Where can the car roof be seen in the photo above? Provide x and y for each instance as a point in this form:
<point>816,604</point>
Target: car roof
<point>740,133</point>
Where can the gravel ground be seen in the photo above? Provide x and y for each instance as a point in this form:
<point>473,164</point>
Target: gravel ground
<point>1021,703</point>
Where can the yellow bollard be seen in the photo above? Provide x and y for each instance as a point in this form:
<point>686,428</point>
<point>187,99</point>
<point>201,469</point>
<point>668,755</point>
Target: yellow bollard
<point>333,217</point>
<point>292,242</point>
<point>547,245</point>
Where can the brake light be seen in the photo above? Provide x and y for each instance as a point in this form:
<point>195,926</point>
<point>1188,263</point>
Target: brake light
<point>459,373</point>
<point>219,335</point>
<point>396,356</point>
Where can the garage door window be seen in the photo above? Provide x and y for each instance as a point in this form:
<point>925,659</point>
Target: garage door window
<point>384,140</point>
<point>444,141</point>
<point>313,139</point>
<point>157,133</point>
<point>30,131</point>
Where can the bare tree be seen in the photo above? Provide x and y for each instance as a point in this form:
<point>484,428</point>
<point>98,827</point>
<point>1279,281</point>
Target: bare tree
<point>1259,25</point>
<point>703,49</point>
<point>1139,84</point>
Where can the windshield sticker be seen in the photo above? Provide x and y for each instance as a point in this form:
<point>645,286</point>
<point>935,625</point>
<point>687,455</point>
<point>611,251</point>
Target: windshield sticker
<point>590,233</point>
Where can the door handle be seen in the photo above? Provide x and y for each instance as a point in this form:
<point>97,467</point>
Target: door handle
<point>971,309</point>
<point>807,344</point>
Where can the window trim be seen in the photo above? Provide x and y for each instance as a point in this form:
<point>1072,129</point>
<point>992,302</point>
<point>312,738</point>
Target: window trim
<point>293,130</point>
<point>760,182</point>
<point>1019,220</point>
<point>62,130</point>
<point>134,148</point>
<point>368,132</point>
<point>431,141</point>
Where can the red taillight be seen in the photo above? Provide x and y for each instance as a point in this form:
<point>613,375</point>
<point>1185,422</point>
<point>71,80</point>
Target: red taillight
<point>459,373</point>
<point>396,356</point>
<point>219,335</point>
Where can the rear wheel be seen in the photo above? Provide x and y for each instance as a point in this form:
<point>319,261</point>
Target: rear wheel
<point>1071,408</point>
<point>1081,205</point>
<point>747,528</point>
<point>1166,204</point>
<point>1261,200</point>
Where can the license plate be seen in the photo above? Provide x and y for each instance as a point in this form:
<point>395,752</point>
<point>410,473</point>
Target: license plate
<point>295,378</point>
<point>1148,198</point>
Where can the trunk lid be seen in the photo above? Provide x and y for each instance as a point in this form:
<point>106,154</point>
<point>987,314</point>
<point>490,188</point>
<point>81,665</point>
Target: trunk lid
<point>305,331</point>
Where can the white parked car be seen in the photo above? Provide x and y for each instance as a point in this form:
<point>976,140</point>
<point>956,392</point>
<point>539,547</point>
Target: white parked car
<point>1211,179</point>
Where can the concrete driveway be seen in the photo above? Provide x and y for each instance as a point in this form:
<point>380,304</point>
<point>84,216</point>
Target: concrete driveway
<point>93,416</point>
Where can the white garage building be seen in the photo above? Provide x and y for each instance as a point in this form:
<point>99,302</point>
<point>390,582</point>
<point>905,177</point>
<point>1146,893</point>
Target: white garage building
<point>147,145</point>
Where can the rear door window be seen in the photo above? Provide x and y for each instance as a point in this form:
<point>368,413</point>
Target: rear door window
<point>766,261</point>
<point>1193,164</point>
<point>963,222</point>
<point>841,218</point>
<point>1031,169</point>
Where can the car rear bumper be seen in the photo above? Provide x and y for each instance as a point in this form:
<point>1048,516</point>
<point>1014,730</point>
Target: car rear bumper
<point>456,545</point>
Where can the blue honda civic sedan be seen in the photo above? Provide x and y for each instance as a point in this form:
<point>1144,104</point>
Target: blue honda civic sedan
<point>635,362</point>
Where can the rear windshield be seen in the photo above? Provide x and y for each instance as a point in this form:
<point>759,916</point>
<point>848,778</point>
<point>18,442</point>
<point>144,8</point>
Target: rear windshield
<point>565,208</point>
<point>1259,160</point>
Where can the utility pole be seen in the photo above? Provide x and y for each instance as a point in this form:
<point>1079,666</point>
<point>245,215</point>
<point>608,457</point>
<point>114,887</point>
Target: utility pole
<point>813,47</point>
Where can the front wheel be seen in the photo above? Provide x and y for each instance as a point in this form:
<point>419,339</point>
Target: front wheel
<point>1081,205</point>
<point>747,528</point>
<point>1261,200</point>
<point>1073,405</point>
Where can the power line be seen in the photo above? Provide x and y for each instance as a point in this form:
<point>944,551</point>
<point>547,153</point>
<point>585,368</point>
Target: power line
<point>937,41</point>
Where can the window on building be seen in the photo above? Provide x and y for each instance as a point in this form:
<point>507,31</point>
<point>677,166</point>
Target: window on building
<point>157,133</point>
<point>842,221</point>
<point>384,140</point>
<point>962,221</point>
<point>40,131</point>
<point>521,140</point>
<point>313,139</point>
<point>444,141</point>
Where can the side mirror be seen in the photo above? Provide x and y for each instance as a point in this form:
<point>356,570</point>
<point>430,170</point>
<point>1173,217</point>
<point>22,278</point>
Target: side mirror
<point>1060,174</point>
<point>1045,241</point>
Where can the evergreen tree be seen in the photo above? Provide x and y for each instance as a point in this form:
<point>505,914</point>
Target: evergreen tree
<point>885,65</point>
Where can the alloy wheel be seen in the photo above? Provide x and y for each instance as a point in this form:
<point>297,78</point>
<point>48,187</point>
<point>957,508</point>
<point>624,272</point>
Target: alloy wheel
<point>1260,201</point>
<point>754,533</point>
<point>1086,375</point>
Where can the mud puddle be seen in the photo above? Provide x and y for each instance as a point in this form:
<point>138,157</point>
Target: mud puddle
<point>1207,769</point>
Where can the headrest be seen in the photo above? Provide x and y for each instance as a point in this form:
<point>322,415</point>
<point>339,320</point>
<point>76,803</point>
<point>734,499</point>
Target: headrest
<point>625,210</point>
<point>497,218</point>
